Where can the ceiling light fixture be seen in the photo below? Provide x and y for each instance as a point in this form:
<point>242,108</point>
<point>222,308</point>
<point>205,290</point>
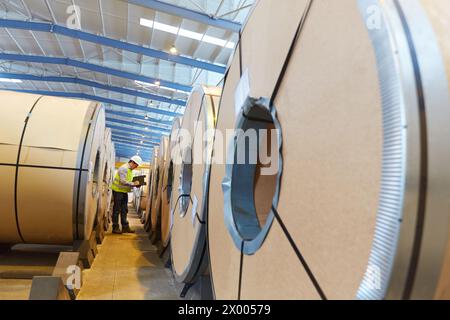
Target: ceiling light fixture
<point>173,50</point>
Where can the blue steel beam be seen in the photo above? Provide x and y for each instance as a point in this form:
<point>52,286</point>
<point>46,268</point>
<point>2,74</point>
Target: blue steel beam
<point>119,137</point>
<point>136,150</point>
<point>134,124</point>
<point>137,117</point>
<point>131,130</point>
<point>130,143</point>
<point>93,68</point>
<point>188,14</point>
<point>133,151</point>
<point>129,126</point>
<point>128,153</point>
<point>94,84</point>
<point>80,95</point>
<point>124,132</point>
<point>134,142</point>
<point>105,41</point>
<point>134,138</point>
<point>132,146</point>
<point>120,146</point>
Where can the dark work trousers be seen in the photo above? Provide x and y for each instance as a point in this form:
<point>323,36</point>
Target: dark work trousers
<point>120,208</point>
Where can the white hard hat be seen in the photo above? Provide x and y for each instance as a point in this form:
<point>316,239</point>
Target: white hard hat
<point>137,160</point>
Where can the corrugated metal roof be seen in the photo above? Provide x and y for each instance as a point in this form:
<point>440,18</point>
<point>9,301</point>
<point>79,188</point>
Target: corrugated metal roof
<point>114,50</point>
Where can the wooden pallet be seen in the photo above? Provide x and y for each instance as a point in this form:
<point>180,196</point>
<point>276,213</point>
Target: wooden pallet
<point>66,279</point>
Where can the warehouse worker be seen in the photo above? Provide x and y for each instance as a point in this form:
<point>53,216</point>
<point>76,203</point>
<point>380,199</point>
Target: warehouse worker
<point>122,184</point>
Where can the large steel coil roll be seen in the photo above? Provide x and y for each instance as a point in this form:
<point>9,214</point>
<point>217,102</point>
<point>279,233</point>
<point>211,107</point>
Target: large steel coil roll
<point>359,203</point>
<point>105,180</point>
<point>152,189</point>
<point>145,196</point>
<point>50,168</point>
<point>158,179</point>
<point>167,185</point>
<point>143,201</point>
<point>136,198</point>
<point>140,195</point>
<point>190,192</point>
<point>112,167</point>
<point>108,173</point>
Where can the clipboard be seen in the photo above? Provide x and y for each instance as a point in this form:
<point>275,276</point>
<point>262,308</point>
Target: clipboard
<point>141,180</point>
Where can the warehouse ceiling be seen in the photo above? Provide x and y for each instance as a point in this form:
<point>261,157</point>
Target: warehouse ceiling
<point>140,58</point>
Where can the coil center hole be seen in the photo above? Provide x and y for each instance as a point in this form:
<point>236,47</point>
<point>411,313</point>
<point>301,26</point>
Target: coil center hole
<point>186,180</point>
<point>253,184</point>
<point>169,182</point>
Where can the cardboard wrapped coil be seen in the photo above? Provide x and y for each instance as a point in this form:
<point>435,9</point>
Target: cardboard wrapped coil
<point>109,170</point>
<point>154,178</point>
<point>136,198</point>
<point>50,168</point>
<point>145,196</point>
<point>143,200</point>
<point>359,206</point>
<point>167,185</point>
<point>140,194</point>
<point>106,177</point>
<point>190,187</point>
<point>158,180</point>
<point>111,164</point>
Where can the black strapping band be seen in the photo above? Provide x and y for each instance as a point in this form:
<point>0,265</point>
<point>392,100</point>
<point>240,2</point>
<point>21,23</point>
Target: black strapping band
<point>423,184</point>
<point>41,167</point>
<point>198,218</point>
<point>240,53</point>
<point>202,256</point>
<point>241,267</point>
<point>178,199</point>
<point>17,167</point>
<point>300,256</point>
<point>291,52</point>
<point>192,202</point>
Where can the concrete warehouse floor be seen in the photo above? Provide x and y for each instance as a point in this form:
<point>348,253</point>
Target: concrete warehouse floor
<point>18,267</point>
<point>127,267</point>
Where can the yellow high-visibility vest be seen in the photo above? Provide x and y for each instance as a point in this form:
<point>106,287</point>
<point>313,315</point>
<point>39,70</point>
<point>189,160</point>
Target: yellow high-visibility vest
<point>117,187</point>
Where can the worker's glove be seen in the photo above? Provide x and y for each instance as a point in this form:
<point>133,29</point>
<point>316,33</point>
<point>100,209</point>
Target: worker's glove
<point>136,184</point>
